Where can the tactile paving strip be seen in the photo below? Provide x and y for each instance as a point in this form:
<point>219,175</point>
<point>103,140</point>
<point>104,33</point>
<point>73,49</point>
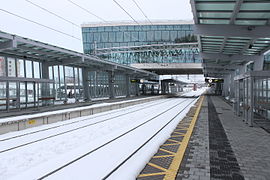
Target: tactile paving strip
<point>165,163</point>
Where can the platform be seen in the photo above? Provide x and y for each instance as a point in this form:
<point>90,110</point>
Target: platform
<point>221,146</point>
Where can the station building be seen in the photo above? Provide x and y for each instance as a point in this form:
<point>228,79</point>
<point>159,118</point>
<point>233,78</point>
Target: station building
<point>35,74</point>
<point>129,43</point>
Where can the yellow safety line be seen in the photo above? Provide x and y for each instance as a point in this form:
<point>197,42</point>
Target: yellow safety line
<point>164,150</point>
<point>173,140</point>
<point>152,174</point>
<point>163,156</point>
<point>170,144</point>
<point>178,135</point>
<point>172,171</point>
<point>157,166</point>
<point>180,129</point>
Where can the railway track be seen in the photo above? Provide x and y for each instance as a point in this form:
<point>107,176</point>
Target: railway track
<point>186,102</point>
<point>29,142</point>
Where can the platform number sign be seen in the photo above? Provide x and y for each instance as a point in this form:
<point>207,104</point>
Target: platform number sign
<point>31,122</point>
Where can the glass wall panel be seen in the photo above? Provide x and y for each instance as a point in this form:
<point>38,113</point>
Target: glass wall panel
<point>11,67</point>
<point>157,35</point>
<point>20,67</point>
<point>13,101</point>
<point>150,35</point>
<point>36,69</point>
<point>104,37</point>
<point>28,68</point>
<point>22,95</point>
<point>2,66</point>
<point>119,37</point>
<point>142,36</point>
<point>3,95</point>
<point>30,94</point>
<point>165,35</point>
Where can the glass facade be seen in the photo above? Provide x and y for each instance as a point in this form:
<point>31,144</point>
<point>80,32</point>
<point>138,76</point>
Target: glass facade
<point>95,38</point>
<point>22,84</point>
<point>130,35</point>
<point>67,82</point>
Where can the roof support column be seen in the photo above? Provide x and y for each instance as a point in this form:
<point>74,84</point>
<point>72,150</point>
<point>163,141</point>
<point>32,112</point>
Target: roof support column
<point>258,64</point>
<point>111,84</point>
<point>128,85</point>
<point>231,81</point>
<point>85,82</point>
<point>45,87</point>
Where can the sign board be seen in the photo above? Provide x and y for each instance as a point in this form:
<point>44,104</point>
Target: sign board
<point>214,80</point>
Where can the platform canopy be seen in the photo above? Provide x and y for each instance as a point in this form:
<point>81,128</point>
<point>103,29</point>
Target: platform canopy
<point>19,47</point>
<point>231,32</point>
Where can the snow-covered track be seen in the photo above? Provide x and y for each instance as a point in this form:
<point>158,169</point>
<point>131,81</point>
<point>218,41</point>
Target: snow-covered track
<point>138,108</point>
<point>186,102</point>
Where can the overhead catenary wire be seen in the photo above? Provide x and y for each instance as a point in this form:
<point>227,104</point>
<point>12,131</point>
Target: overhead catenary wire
<point>126,12</point>
<point>37,23</point>
<point>60,17</point>
<point>142,11</point>
<point>100,18</point>
<point>89,12</point>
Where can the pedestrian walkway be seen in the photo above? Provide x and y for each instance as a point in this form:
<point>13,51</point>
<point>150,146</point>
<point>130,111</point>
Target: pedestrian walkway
<point>221,146</point>
<point>224,147</point>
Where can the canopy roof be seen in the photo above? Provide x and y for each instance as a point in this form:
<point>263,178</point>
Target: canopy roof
<point>231,32</point>
<point>19,47</point>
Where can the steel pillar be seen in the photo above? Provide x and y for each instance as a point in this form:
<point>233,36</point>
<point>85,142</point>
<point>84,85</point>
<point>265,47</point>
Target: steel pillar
<point>128,85</point>
<point>111,85</point>
<point>85,82</point>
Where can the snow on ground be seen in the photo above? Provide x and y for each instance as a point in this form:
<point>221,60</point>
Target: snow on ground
<point>196,93</point>
<point>16,118</point>
<point>37,159</point>
<point>24,158</point>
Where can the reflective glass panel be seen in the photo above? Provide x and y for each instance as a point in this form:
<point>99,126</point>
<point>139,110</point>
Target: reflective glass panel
<point>11,67</point>
<point>2,66</point>
<point>20,67</point>
<point>28,68</point>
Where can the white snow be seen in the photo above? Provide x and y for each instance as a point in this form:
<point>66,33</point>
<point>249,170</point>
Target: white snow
<point>37,159</point>
<point>22,117</point>
<point>196,93</point>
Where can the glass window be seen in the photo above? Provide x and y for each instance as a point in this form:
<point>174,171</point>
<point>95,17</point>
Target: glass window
<point>119,37</point>
<point>104,37</point>
<point>28,68</point>
<point>165,35</point>
<point>130,28</point>
<point>150,35</point>
<point>97,37</point>
<point>134,36</point>
<point>50,72</point>
<point>69,75</point>
<point>2,66</point>
<point>11,67</point>
<point>142,36</point>
<point>108,29</point>
<point>127,36</point>
<point>157,35</point>
<point>36,69</point>
<point>20,67</point>
<point>173,35</point>
<point>111,36</point>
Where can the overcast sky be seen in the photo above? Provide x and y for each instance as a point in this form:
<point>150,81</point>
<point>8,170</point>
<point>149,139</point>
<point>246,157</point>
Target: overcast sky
<point>106,9</point>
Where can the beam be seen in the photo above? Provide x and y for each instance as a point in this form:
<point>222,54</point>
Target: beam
<point>67,61</point>
<point>237,7</point>
<point>10,44</point>
<point>215,66</point>
<point>194,11</point>
<point>224,57</point>
<point>53,55</point>
<point>230,30</point>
